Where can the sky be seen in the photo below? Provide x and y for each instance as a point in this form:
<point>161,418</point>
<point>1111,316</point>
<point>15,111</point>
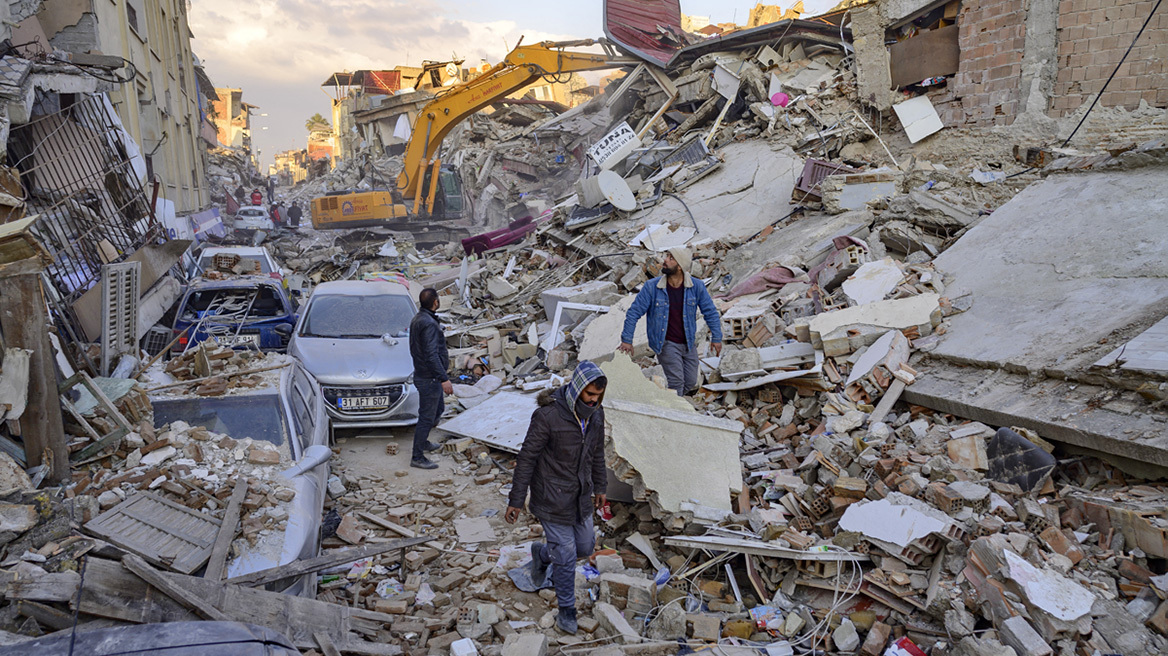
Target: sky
<point>279,51</point>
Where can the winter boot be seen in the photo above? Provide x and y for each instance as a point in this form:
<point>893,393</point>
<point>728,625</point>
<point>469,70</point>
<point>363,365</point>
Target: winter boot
<point>566,620</point>
<point>538,564</point>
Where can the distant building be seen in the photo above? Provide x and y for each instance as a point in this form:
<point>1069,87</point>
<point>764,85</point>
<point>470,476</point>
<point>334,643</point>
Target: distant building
<point>694,23</point>
<point>232,119</point>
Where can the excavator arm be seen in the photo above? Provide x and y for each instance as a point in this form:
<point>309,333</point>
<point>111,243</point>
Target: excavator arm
<point>521,67</point>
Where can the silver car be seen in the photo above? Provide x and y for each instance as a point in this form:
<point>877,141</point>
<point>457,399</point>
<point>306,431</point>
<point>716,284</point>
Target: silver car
<point>353,336</point>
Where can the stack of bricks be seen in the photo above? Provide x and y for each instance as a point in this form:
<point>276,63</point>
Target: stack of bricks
<point>1092,37</point>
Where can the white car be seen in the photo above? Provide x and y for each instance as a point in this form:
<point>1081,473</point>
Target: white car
<point>253,217</point>
<point>206,260</point>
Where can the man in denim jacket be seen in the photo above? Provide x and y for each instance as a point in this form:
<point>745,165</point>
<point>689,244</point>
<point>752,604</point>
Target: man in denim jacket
<point>671,302</point>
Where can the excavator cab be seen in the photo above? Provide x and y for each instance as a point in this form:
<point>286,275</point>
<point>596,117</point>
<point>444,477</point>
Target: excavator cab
<point>448,200</point>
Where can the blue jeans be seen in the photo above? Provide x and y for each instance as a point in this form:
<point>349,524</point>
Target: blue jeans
<point>680,365</point>
<point>565,544</point>
<point>430,407</point>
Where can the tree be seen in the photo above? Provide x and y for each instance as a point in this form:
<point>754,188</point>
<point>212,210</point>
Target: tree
<point>316,122</point>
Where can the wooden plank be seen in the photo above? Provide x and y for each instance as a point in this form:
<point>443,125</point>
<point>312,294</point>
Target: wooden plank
<point>25,325</point>
<point>45,586</point>
<point>326,644</point>
<point>45,615</point>
<point>164,533</point>
<point>144,571</point>
<point>891,396</point>
<point>396,528</point>
<point>335,557</point>
<point>227,531</point>
<point>104,401</point>
<point>112,591</point>
<point>14,383</point>
<point>929,54</point>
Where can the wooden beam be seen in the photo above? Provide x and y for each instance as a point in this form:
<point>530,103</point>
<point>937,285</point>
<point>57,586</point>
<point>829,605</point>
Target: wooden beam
<point>25,325</point>
<point>152,576</point>
<point>326,644</point>
<point>891,396</point>
<point>47,586</point>
<point>335,557</point>
<point>396,528</point>
<point>227,532</point>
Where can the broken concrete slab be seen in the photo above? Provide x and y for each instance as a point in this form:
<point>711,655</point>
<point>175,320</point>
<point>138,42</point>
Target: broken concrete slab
<point>890,351</point>
<point>659,444</point>
<point>501,421</point>
<point>749,191</point>
<point>873,281</point>
<point>626,382</point>
<point>830,331</point>
<point>1047,590</point>
<point>1057,410</point>
<point>1044,270</point>
<point>853,191</point>
<point>602,336</point>
<point>1147,352</point>
<point>888,522</point>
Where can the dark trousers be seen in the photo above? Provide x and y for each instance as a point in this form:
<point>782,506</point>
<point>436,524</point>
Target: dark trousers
<point>430,407</point>
<point>565,545</point>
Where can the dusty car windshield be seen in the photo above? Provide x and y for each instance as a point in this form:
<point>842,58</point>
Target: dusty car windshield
<point>357,316</point>
<point>257,416</point>
<point>234,305</point>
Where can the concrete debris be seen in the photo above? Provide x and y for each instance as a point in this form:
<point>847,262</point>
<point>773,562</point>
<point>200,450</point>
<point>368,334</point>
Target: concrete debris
<point>934,424</point>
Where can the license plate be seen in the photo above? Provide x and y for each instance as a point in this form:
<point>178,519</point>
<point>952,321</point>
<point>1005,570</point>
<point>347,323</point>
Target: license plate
<point>363,402</point>
<point>240,340</point>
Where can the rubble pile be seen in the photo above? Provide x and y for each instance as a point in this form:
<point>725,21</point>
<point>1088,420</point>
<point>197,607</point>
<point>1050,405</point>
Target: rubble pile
<point>227,170</point>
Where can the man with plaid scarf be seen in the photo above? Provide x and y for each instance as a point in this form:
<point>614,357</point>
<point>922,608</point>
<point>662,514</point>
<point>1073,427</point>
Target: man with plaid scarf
<point>562,465</point>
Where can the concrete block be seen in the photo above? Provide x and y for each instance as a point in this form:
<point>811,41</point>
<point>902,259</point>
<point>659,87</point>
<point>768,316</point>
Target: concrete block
<point>612,621</point>
<point>845,636</point>
<point>624,591</point>
<point>610,563</point>
<point>876,640</point>
<point>922,312</point>
<point>706,627</point>
<point>1017,633</point>
<point>525,644</point>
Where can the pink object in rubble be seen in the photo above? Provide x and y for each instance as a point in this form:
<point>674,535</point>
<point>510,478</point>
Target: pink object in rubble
<point>780,99</point>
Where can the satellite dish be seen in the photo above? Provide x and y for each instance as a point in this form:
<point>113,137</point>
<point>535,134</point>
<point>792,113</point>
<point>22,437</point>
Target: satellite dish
<point>452,69</point>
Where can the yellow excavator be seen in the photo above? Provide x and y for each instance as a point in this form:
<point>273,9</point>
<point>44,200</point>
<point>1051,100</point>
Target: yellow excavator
<point>426,191</point>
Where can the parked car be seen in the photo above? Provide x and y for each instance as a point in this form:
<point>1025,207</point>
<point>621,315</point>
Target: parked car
<point>291,414</point>
<point>353,337</point>
<point>248,312</point>
<point>203,260</point>
<point>251,218</point>
<point>161,639</point>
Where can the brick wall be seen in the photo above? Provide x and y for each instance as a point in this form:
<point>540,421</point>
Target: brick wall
<point>985,89</point>
<point>1092,36</point>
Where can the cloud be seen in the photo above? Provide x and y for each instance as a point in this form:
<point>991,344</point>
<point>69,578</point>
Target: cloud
<point>279,51</point>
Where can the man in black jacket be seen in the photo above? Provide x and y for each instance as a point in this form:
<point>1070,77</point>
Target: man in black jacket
<point>562,464</point>
<point>294,215</point>
<point>428,349</point>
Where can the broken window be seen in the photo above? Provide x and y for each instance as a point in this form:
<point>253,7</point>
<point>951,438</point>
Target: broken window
<point>81,173</point>
<point>132,18</point>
